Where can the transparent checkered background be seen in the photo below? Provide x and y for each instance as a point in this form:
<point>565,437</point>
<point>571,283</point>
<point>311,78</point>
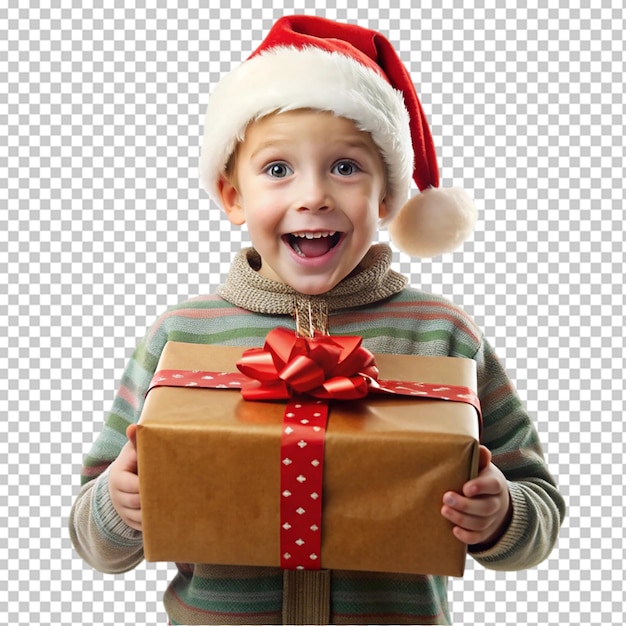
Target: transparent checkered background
<point>103,225</point>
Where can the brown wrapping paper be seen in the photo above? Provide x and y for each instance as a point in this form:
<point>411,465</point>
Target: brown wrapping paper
<point>209,470</point>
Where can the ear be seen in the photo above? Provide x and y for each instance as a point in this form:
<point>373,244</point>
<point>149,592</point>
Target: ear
<point>231,201</point>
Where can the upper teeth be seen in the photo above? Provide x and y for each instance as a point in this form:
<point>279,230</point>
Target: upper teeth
<point>317,235</point>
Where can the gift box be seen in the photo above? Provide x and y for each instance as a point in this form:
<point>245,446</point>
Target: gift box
<point>209,465</point>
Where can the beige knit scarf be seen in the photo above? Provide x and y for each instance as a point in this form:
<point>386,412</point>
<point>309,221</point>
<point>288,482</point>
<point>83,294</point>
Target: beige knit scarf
<point>372,280</point>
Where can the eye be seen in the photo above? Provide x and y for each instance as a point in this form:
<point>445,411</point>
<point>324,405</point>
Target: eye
<point>345,168</point>
<point>278,169</point>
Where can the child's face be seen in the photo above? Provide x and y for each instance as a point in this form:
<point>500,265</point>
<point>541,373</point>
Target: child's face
<point>311,188</point>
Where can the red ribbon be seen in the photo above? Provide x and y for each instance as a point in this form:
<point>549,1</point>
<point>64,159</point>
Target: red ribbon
<point>301,480</point>
<point>309,373</point>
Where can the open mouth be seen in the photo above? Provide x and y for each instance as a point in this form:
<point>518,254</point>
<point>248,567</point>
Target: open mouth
<point>313,244</point>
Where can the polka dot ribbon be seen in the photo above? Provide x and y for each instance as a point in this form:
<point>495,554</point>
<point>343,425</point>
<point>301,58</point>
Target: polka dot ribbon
<point>301,476</point>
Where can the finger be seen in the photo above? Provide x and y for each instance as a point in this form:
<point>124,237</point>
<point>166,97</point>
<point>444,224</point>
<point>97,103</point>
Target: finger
<point>132,517</point>
<point>484,457</point>
<point>129,500</point>
<point>128,458</point>
<point>467,521</point>
<point>482,486</point>
<point>131,433</point>
<point>482,508</point>
<point>127,483</point>
<point>469,537</point>
<point>125,498</point>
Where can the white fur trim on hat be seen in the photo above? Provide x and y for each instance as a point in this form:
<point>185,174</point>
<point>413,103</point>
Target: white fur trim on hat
<point>285,79</point>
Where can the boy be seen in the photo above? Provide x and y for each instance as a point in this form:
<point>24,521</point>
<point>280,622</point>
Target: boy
<point>312,142</point>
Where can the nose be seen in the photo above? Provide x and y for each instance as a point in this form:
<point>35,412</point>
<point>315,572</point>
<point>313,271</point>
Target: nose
<point>314,193</point>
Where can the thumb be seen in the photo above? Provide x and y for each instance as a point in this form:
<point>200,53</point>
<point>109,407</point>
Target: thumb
<point>131,433</point>
<point>484,458</point>
<point>131,462</point>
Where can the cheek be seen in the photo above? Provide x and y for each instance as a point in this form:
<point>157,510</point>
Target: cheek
<point>370,213</point>
<point>261,217</point>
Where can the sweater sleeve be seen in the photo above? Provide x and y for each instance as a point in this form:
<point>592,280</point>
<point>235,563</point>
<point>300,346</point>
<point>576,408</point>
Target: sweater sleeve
<point>538,507</point>
<point>98,533</point>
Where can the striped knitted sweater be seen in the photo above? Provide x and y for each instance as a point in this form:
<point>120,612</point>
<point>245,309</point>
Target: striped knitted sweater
<point>374,303</point>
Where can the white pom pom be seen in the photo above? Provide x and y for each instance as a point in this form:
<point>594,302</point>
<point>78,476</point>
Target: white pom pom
<point>433,222</point>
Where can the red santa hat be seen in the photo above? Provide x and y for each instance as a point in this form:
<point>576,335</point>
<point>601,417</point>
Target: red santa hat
<point>353,72</point>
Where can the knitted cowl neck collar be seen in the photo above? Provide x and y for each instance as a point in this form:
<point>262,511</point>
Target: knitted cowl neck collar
<point>372,280</point>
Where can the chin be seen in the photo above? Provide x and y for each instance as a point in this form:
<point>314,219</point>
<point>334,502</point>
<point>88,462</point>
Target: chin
<point>312,291</point>
<point>312,287</point>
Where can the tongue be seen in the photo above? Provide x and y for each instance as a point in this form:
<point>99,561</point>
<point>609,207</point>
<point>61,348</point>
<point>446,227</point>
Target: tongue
<point>314,247</point>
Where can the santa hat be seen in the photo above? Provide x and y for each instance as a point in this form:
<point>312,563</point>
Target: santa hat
<point>311,62</point>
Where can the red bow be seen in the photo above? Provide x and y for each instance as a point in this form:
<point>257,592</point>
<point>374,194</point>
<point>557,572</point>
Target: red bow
<point>323,367</point>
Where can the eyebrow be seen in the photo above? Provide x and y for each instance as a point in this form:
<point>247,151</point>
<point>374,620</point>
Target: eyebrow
<point>274,142</point>
<point>358,142</point>
<point>269,144</point>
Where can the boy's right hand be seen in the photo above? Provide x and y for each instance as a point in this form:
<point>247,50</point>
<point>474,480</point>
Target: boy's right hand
<point>124,482</point>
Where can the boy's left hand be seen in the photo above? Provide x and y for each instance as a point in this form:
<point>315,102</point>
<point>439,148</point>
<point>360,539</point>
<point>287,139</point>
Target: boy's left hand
<point>483,511</point>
